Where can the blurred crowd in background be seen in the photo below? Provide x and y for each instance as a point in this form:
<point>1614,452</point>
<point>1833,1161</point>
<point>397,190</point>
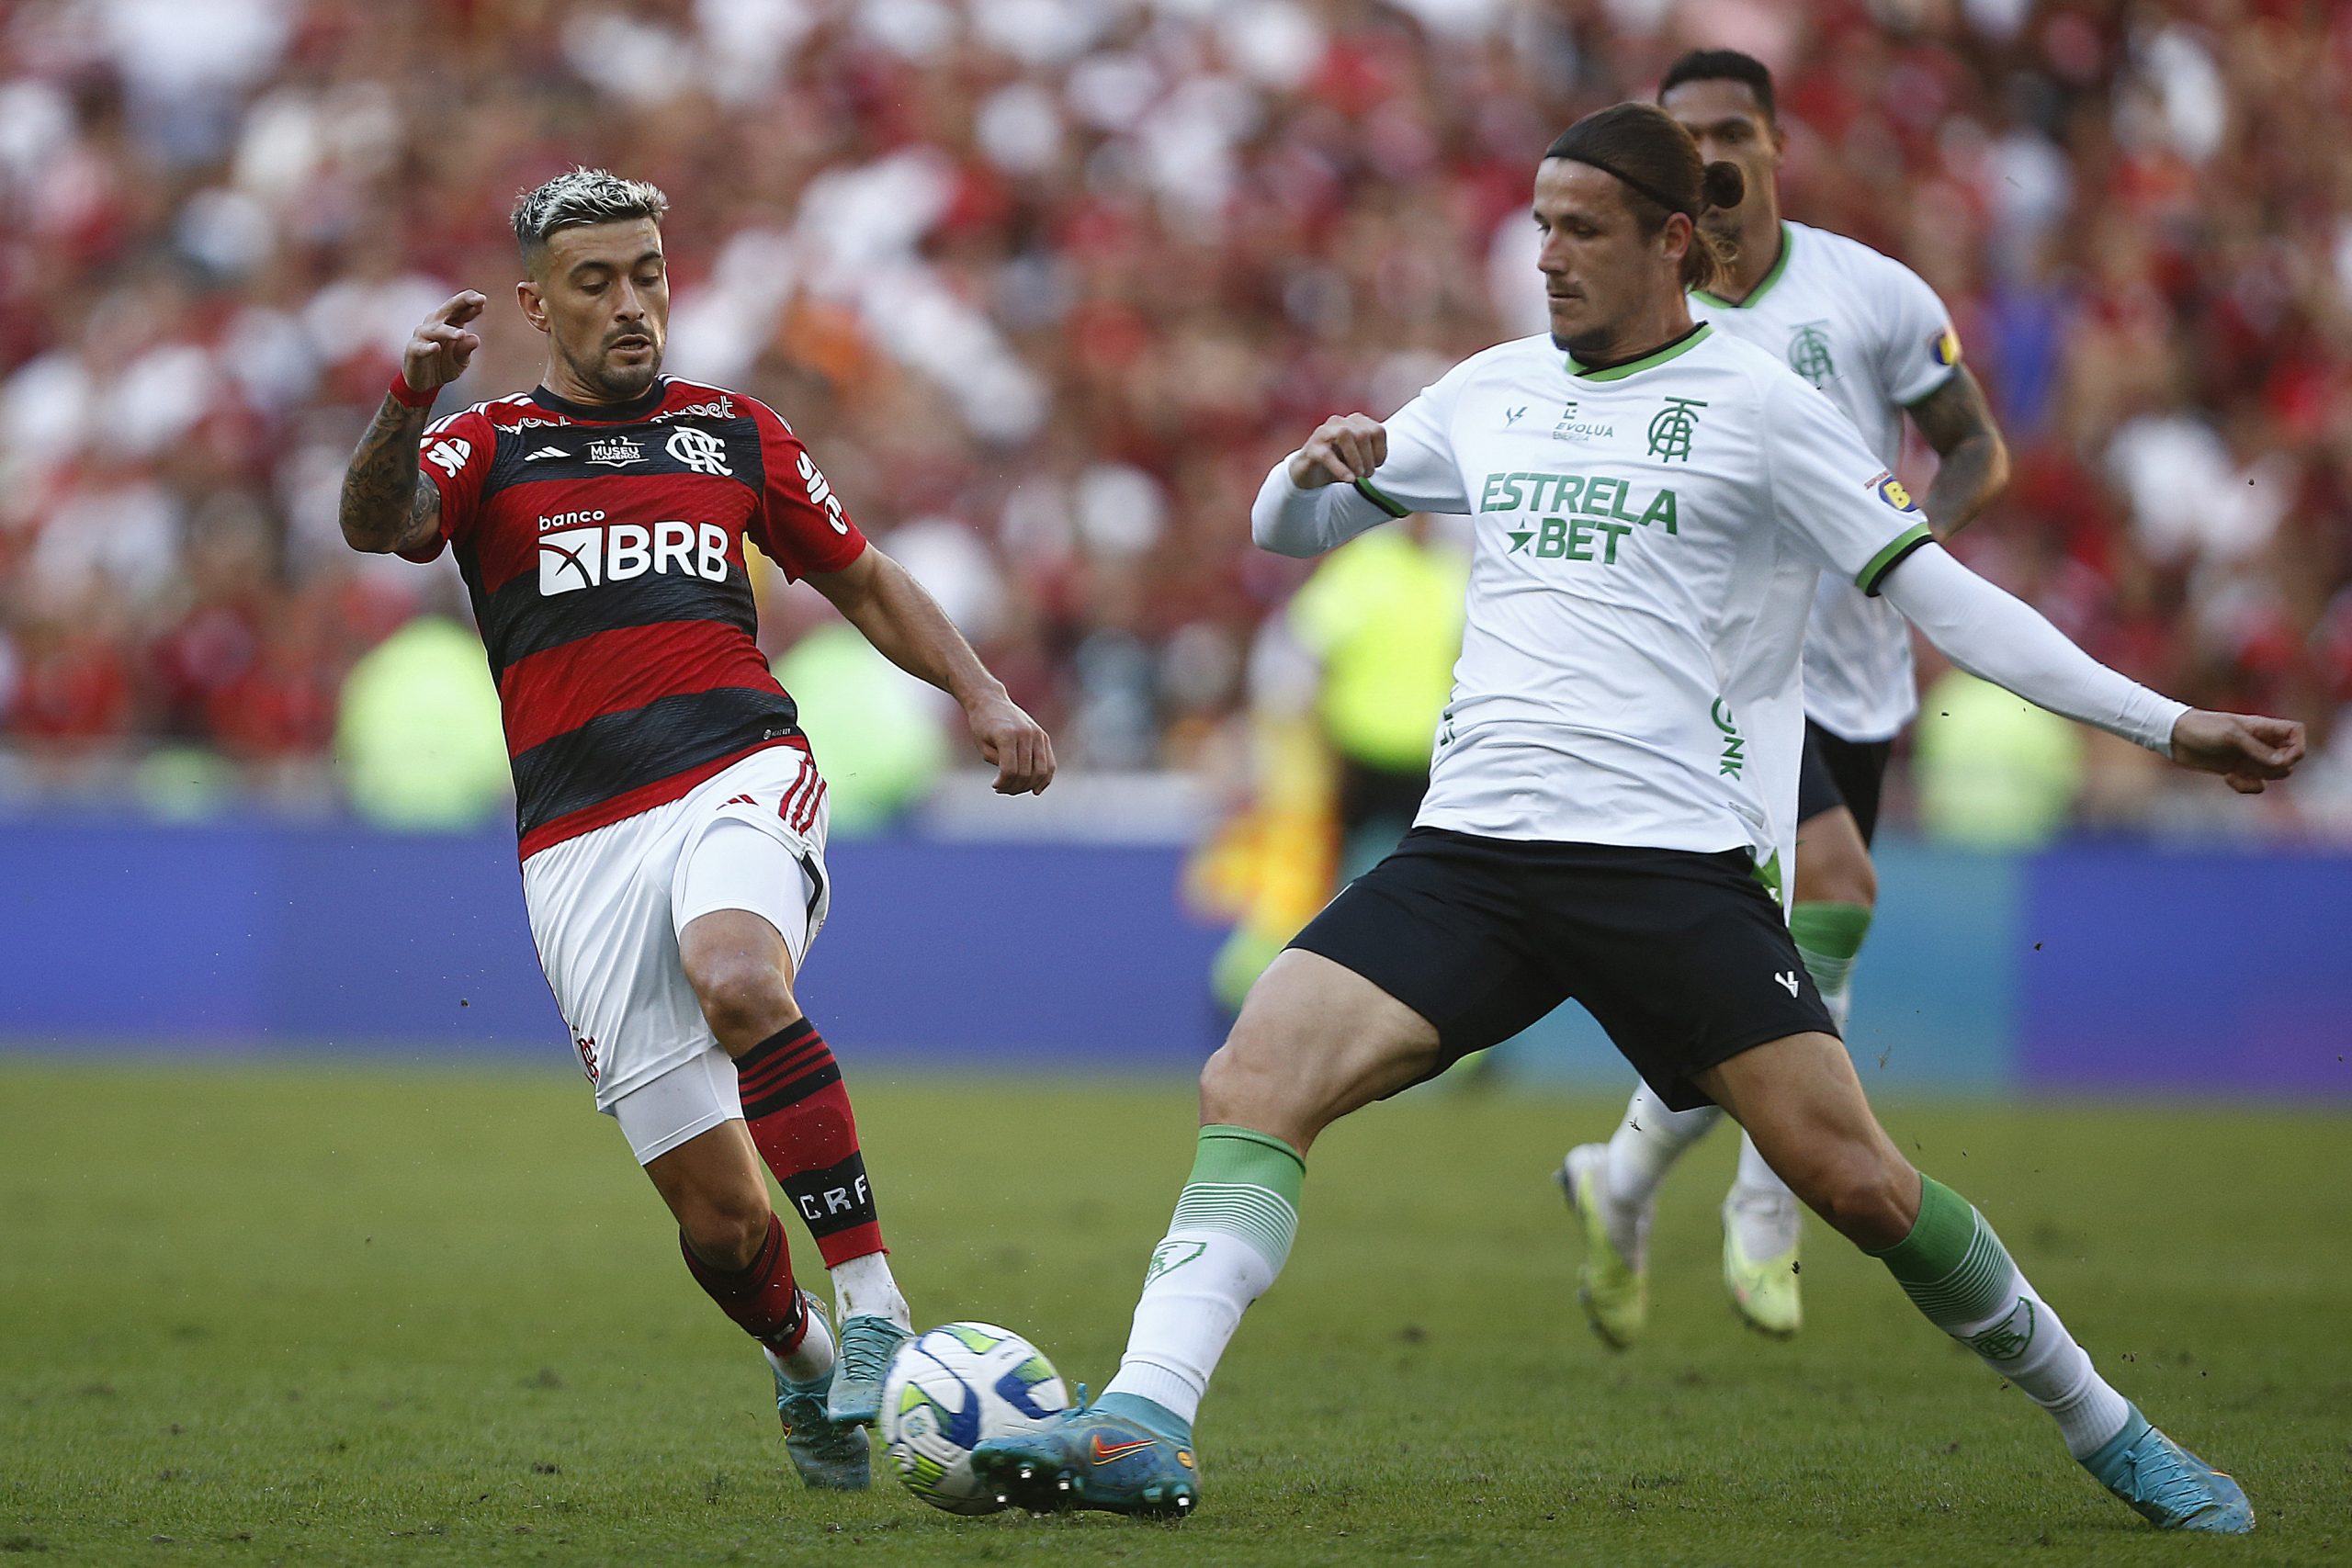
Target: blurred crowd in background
<point>1046,285</point>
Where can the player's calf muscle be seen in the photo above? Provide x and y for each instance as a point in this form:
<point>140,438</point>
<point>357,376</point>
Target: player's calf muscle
<point>715,1190</point>
<point>1800,1101</point>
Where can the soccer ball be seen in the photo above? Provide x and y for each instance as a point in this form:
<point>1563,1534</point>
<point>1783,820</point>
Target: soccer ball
<point>951,1387</point>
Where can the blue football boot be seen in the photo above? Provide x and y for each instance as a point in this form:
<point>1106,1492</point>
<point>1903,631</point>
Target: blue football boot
<point>1123,1455</point>
<point>867,1344</point>
<point>2167,1485</point>
<point>831,1456</point>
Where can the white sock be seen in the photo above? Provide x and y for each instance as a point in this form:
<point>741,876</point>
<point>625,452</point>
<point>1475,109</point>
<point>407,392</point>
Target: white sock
<point>863,1288</point>
<point>814,1358</point>
<point>1648,1141</point>
<point>2048,1367</point>
<point>1768,1217</point>
<point>1755,1176</point>
<point>1229,1238</point>
<point>1956,1272</point>
<point>1187,1314</point>
<point>1840,1003</point>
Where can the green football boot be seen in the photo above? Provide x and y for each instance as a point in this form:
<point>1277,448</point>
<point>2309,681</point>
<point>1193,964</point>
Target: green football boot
<point>1614,1290</point>
<point>2167,1485</point>
<point>1123,1455</point>
<point>866,1346</point>
<point>1763,1282</point>
<point>831,1456</point>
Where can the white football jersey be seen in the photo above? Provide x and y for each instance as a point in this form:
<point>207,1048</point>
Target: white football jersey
<point>1866,331</point>
<point>1645,541</point>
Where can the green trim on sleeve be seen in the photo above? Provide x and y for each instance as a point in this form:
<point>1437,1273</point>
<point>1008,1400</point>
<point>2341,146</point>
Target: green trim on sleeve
<point>1901,544</point>
<point>1381,498</point>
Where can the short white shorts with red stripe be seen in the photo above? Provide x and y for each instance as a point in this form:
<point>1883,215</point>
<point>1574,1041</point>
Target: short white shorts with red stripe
<point>607,909</point>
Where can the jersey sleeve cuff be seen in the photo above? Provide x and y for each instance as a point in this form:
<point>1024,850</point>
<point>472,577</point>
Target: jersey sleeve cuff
<point>1887,560</point>
<point>1381,498</point>
<point>1927,386</point>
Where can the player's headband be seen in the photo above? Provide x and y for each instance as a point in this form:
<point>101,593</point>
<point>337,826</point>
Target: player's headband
<point>1667,202</point>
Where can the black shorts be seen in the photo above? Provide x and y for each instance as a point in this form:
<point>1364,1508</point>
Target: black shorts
<point>1838,772</point>
<point>1682,957</point>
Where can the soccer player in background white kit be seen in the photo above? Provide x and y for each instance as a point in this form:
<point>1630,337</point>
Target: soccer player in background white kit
<point>1878,343</point>
<point>1612,795</point>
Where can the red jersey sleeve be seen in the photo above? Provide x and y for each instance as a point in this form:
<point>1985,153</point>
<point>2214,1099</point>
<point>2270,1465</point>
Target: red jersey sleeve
<point>455,454</point>
<point>800,524</point>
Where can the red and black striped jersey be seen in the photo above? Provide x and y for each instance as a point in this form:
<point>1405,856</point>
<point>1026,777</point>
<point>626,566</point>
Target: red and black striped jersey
<point>604,549</point>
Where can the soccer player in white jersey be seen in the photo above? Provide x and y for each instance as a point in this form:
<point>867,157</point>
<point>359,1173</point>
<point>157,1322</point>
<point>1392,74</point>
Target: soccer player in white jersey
<point>1878,343</point>
<point>1612,797</point>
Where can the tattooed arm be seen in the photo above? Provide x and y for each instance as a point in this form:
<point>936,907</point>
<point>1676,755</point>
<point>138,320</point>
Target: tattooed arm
<point>387,504</point>
<point>1974,463</point>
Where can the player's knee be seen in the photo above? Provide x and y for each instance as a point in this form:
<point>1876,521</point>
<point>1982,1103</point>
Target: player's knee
<point>1834,863</point>
<point>744,999</point>
<point>1838,872</point>
<point>1862,1196</point>
<point>1226,1083</point>
<point>1243,1082</point>
<point>1852,879</point>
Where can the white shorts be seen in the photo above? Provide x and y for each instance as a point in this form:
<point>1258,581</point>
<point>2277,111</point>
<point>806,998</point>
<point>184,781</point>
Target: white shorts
<point>605,911</point>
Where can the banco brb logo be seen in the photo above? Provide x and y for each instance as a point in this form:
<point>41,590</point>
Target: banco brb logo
<point>575,558</point>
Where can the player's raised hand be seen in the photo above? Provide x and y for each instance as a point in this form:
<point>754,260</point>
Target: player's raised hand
<point>441,348</point>
<point>1017,745</point>
<point>1344,448</point>
<point>2246,750</point>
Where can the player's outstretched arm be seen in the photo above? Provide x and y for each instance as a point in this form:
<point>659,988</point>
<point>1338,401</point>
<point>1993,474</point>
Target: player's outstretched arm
<point>2000,638</point>
<point>387,504</point>
<point>881,599</point>
<point>1297,514</point>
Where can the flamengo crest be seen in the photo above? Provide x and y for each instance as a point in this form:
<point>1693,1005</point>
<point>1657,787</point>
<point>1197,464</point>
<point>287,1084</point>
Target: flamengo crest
<point>699,450</point>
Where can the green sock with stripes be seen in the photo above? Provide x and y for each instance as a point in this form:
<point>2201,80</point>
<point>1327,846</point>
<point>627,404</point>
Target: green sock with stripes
<point>1829,938</point>
<point>1229,1237</point>
<point>1956,1272</point>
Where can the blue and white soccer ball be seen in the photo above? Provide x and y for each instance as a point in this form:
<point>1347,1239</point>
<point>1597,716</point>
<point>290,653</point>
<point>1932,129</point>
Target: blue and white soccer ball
<point>950,1387</point>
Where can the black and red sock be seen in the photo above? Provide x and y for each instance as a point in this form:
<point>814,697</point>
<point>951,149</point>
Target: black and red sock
<point>797,1110</point>
<point>761,1297</point>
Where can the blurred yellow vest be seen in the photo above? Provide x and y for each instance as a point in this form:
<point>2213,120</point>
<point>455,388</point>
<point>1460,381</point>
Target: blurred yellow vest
<point>1383,614</point>
<point>418,738</point>
<point>1991,770</point>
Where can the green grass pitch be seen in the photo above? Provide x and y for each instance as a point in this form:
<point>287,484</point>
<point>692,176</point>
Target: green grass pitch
<point>317,1315</point>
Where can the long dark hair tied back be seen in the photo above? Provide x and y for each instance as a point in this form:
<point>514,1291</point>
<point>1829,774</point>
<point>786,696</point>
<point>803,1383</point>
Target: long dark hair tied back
<point>1659,165</point>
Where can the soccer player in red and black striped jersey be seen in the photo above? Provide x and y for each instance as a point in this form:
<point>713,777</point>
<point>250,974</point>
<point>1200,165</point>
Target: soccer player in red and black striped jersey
<point>673,818</point>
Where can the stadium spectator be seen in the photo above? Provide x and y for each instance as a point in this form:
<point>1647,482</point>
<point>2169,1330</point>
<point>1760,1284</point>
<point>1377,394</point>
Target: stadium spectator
<point>1047,273</point>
